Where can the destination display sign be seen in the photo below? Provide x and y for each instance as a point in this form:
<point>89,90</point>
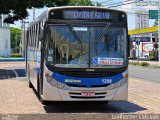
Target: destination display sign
<point>77,14</point>
<point>82,14</point>
<point>88,14</point>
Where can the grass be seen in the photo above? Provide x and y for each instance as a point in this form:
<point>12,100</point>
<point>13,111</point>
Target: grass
<point>139,64</point>
<point>154,67</point>
<point>144,64</point>
<point>133,63</point>
<point>2,57</point>
<point>16,55</point>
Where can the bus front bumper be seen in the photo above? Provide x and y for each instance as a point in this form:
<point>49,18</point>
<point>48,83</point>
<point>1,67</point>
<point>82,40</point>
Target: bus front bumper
<point>52,93</point>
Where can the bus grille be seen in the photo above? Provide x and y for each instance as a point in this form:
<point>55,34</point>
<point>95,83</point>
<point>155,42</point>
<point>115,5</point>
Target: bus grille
<point>85,74</point>
<point>81,97</point>
<point>83,86</point>
<point>78,93</point>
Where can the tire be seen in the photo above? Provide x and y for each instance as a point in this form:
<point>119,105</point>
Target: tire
<point>30,84</point>
<point>105,102</point>
<point>38,86</point>
<point>39,92</point>
<point>44,102</point>
<point>28,75</point>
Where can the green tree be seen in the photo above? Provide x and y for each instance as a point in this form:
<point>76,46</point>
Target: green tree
<point>98,4</point>
<point>80,3</point>
<point>17,9</point>
<point>15,39</point>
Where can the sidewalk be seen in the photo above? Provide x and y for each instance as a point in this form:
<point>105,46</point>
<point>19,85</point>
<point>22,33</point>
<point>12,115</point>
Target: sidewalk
<point>152,63</point>
<point>17,98</point>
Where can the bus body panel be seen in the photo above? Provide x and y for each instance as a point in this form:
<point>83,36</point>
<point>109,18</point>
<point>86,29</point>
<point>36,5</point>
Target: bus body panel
<point>52,93</point>
<point>121,93</point>
<point>31,65</point>
<point>34,66</point>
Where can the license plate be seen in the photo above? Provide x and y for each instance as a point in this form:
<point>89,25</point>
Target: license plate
<point>87,94</point>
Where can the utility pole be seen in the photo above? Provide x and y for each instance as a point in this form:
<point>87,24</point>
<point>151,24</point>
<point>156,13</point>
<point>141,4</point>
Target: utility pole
<point>159,28</point>
<point>138,40</point>
<point>23,38</point>
<point>140,25</point>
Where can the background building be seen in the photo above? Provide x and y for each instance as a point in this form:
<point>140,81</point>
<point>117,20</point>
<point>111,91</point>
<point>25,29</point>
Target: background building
<point>5,47</point>
<point>141,19</point>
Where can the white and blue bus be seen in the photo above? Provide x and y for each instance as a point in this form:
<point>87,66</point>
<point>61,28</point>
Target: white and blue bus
<point>79,54</point>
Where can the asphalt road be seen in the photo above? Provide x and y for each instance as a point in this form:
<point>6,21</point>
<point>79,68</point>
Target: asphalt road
<point>144,73</point>
<point>23,100</point>
<point>18,70</point>
<point>134,71</point>
<point>12,70</point>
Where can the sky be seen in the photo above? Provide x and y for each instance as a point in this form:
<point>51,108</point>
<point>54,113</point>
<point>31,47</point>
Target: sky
<point>129,8</point>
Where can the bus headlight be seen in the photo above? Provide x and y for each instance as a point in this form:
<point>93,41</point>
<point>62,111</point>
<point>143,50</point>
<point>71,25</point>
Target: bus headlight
<point>60,85</point>
<point>118,84</point>
<point>55,83</point>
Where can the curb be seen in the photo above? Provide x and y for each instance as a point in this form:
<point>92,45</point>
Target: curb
<point>21,62</point>
<point>12,59</point>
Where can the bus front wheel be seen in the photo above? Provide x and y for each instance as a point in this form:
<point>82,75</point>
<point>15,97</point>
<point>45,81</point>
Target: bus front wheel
<point>105,102</point>
<point>39,91</point>
<point>44,102</point>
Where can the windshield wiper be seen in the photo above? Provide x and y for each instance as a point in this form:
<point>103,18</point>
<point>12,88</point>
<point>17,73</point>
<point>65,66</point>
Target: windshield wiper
<point>75,35</point>
<point>105,29</point>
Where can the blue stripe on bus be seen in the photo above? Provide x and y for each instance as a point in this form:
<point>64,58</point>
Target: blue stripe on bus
<point>86,81</point>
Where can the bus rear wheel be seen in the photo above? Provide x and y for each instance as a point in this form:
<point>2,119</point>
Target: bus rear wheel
<point>28,75</point>
<point>30,84</point>
<point>105,102</point>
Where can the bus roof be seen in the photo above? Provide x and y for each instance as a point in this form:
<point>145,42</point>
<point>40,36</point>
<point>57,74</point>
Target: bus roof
<point>44,14</point>
<point>63,7</point>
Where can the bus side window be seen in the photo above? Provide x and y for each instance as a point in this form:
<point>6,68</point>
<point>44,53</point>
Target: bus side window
<point>36,43</point>
<point>31,36</point>
<point>30,41</point>
<point>34,36</point>
<point>39,46</point>
<point>38,34</point>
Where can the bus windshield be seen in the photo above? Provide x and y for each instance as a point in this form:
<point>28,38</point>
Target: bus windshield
<point>86,46</point>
